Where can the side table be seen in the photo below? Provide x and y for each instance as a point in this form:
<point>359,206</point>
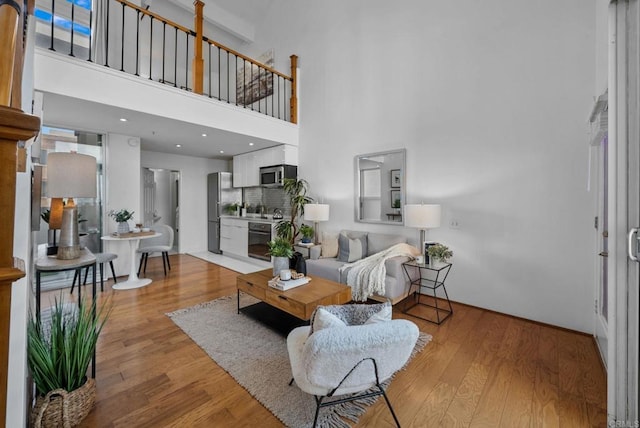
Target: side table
<point>305,250</point>
<point>429,277</point>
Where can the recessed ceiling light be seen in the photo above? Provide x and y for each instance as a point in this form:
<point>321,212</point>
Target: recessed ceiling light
<point>178,145</point>
<point>204,135</point>
<point>221,151</point>
<point>122,119</point>
<point>251,144</point>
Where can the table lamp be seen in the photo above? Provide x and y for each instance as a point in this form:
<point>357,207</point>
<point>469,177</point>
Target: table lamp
<point>423,217</point>
<point>316,213</point>
<point>70,175</point>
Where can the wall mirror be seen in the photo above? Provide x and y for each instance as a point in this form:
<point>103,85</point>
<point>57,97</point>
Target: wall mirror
<point>380,187</point>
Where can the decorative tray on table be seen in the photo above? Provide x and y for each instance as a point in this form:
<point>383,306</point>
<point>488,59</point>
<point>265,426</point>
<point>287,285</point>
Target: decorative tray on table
<point>133,234</point>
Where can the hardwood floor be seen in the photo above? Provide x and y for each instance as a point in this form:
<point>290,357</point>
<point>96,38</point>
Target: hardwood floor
<point>481,369</point>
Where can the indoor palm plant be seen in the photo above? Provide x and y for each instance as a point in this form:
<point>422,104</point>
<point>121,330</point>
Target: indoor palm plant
<point>59,350</point>
<point>296,190</point>
<point>281,250</point>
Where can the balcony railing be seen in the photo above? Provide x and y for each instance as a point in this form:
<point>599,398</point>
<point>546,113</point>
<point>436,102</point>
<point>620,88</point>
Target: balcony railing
<point>129,38</point>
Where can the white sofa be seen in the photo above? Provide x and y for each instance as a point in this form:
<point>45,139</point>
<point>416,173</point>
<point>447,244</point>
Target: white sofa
<point>396,281</point>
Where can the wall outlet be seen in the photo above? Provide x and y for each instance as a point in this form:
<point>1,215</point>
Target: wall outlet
<point>454,224</point>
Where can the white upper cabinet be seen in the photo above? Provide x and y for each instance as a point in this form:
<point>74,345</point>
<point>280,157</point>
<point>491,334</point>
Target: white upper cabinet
<point>246,167</point>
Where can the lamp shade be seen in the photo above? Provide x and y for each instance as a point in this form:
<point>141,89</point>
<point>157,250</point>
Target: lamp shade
<point>422,216</point>
<point>71,175</point>
<point>316,212</point>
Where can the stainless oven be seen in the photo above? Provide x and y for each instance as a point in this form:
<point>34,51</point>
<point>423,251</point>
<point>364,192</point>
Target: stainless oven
<point>259,237</point>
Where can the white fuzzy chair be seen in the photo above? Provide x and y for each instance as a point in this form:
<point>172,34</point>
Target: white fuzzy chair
<point>342,358</point>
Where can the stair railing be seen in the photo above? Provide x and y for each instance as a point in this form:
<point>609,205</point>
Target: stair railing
<point>169,53</point>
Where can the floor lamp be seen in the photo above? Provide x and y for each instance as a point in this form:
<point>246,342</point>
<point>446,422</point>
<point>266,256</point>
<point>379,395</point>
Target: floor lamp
<point>423,217</point>
<point>316,213</point>
<point>70,175</point>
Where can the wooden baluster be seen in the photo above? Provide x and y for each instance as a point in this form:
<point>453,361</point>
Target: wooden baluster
<point>9,14</point>
<point>14,126</point>
<point>198,61</point>
<point>293,104</point>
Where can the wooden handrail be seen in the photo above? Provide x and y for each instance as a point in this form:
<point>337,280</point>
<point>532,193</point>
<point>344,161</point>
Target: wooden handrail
<point>9,13</point>
<point>293,103</point>
<point>252,61</point>
<point>156,16</point>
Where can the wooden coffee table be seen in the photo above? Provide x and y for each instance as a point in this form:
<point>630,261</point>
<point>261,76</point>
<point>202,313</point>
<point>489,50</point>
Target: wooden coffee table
<point>300,301</point>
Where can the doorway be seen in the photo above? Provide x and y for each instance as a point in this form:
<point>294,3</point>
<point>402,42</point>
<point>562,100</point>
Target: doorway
<point>161,200</point>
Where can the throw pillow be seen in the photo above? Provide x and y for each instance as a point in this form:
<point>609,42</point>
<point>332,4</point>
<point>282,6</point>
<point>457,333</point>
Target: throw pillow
<point>329,248</point>
<point>384,314</point>
<point>351,250</point>
<point>323,319</point>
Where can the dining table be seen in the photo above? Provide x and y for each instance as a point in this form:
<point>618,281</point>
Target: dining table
<point>134,240</point>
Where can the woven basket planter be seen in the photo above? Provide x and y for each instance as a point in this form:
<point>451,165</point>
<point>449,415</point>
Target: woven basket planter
<point>60,408</point>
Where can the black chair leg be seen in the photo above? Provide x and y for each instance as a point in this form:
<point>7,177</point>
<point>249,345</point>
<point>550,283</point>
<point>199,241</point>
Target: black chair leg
<point>164,264</point>
<point>113,272</point>
<point>101,276</point>
<point>167,256</point>
<point>73,284</point>
<point>390,408</point>
<point>315,419</point>
<point>146,259</point>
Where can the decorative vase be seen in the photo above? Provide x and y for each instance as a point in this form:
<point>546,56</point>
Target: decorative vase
<point>60,408</point>
<point>280,263</point>
<point>123,227</point>
<point>306,240</point>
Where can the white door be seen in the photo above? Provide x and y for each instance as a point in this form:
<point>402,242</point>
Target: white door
<point>602,263</point>
<point>624,211</point>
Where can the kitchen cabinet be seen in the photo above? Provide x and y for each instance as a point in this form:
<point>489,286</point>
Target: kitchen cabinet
<point>234,236</point>
<point>246,167</point>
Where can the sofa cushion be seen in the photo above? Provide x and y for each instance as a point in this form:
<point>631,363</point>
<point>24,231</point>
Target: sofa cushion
<point>351,249</point>
<point>326,268</point>
<point>377,242</point>
<point>353,314</point>
<point>324,319</point>
<point>329,247</point>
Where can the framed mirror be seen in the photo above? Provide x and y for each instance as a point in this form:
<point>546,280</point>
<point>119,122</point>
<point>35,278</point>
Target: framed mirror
<point>380,187</point>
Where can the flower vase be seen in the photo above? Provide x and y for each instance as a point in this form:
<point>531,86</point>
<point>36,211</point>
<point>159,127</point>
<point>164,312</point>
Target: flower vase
<point>123,227</point>
<point>280,263</point>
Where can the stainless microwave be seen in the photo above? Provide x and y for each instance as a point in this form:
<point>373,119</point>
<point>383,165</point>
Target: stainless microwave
<point>273,176</point>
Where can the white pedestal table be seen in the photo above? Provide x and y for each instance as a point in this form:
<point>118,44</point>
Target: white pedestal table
<point>134,239</point>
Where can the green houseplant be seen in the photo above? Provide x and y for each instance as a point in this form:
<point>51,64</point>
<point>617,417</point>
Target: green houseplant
<point>307,233</point>
<point>439,252</point>
<point>121,217</point>
<point>281,250</point>
<point>59,351</point>
<point>296,190</point>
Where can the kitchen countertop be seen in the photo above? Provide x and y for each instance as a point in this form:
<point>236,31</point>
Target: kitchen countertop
<point>256,219</point>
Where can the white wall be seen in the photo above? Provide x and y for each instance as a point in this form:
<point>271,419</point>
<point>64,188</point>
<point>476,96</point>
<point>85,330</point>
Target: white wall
<point>193,193</point>
<point>122,177</point>
<point>491,101</point>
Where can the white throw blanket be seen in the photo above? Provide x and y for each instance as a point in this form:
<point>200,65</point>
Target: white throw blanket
<point>367,275</point>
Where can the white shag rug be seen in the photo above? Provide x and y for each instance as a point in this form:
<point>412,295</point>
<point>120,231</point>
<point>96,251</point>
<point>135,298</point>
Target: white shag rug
<point>256,357</point>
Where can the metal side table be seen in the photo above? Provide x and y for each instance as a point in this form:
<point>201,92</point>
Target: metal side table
<point>429,277</point>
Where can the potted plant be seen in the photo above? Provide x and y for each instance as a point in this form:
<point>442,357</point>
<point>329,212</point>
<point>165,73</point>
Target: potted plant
<point>281,250</point>
<point>439,253</point>
<point>121,217</point>
<point>297,192</point>
<point>307,233</point>
<point>232,209</point>
<point>59,351</point>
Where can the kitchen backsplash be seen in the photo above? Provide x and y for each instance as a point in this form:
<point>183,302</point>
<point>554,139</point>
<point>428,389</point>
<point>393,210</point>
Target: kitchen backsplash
<point>270,197</point>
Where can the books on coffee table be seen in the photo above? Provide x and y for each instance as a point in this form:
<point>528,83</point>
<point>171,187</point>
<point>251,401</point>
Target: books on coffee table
<point>287,285</point>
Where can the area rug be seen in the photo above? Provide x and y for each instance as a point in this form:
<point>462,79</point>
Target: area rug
<point>256,357</point>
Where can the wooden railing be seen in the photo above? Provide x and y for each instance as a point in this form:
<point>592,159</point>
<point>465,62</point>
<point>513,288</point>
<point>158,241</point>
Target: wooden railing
<point>172,54</point>
<point>15,127</point>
